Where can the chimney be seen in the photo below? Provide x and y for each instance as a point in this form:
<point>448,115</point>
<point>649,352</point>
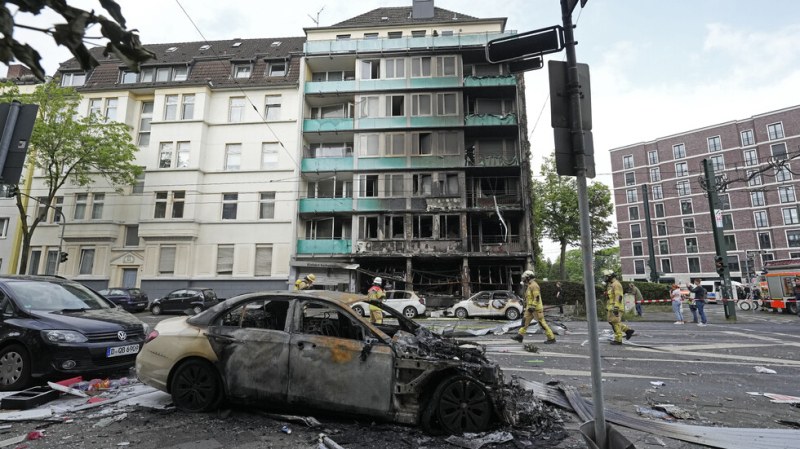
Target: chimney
<point>18,71</point>
<point>422,9</point>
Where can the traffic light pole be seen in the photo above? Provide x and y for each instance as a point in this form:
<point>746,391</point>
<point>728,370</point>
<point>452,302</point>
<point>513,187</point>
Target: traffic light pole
<point>721,259</point>
<point>651,260</point>
<point>578,145</point>
<point>61,240</point>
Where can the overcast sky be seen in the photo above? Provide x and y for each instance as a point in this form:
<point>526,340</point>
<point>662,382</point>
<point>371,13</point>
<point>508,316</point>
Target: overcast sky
<point>658,67</point>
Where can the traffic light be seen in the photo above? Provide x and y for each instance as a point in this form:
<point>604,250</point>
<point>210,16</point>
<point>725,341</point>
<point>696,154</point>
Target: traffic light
<point>719,264</point>
<point>64,256</point>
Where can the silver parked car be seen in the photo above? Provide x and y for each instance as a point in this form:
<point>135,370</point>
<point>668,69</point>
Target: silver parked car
<point>403,301</point>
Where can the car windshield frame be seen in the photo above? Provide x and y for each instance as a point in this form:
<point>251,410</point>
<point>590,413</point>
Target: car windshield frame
<point>54,296</point>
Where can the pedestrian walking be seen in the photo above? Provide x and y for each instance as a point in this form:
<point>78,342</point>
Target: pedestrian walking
<point>614,308</point>
<point>692,307</point>
<point>376,293</point>
<point>533,309</point>
<point>305,283</point>
<point>559,298</point>
<point>637,295</point>
<point>700,301</point>
<point>677,303</point>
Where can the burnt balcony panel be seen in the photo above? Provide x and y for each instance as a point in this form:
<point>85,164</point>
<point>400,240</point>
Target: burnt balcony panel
<point>380,204</point>
<point>367,247</point>
<point>497,244</point>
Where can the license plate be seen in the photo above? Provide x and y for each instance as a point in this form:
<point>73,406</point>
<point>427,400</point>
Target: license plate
<point>117,351</point>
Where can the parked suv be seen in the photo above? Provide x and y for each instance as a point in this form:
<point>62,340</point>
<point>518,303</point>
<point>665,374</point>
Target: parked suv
<point>130,299</point>
<point>52,327</point>
<point>196,298</point>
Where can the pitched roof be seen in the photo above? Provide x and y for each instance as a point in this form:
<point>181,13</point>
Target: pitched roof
<point>208,61</point>
<point>401,16</point>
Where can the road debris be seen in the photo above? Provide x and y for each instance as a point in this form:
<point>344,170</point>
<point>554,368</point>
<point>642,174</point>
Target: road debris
<point>13,440</point>
<point>673,410</point>
<point>477,440</point>
<point>657,383</point>
<point>308,421</point>
<point>652,413</point>
<point>782,398</point>
<point>326,443</point>
<point>762,370</point>
<point>111,419</point>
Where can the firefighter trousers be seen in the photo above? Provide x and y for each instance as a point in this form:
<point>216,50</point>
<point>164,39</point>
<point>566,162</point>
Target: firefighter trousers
<point>539,316</point>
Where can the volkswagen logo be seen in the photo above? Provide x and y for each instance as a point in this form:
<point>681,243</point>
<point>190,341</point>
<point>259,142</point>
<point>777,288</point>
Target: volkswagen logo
<point>122,335</point>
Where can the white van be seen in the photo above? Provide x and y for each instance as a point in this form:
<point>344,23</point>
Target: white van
<point>714,288</point>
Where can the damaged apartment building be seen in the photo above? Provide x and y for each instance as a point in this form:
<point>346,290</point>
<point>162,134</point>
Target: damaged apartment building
<point>415,163</point>
<point>382,145</point>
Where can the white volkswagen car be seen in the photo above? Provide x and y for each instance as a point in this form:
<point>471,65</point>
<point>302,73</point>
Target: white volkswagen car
<point>489,303</point>
<point>403,301</point>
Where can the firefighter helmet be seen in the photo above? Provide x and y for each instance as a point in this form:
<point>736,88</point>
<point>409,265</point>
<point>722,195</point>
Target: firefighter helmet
<point>311,277</point>
<point>377,281</point>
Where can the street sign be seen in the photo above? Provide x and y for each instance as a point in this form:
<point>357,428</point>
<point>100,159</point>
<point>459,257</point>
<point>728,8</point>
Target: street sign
<point>531,43</point>
<point>16,125</point>
<point>523,65</point>
<point>559,95</point>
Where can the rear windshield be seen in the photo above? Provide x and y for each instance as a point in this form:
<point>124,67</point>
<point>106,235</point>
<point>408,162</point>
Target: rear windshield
<point>43,295</point>
<point>134,291</point>
<point>209,295</point>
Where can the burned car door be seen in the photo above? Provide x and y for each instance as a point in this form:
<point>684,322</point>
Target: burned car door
<point>336,363</point>
<point>251,343</point>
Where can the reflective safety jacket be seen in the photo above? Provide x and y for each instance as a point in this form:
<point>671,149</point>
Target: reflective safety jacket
<point>615,295</point>
<point>376,293</point>
<point>301,284</point>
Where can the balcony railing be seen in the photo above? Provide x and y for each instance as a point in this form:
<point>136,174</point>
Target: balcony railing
<point>497,244</point>
<point>487,81</point>
<point>403,43</point>
<point>490,119</point>
<point>324,246</point>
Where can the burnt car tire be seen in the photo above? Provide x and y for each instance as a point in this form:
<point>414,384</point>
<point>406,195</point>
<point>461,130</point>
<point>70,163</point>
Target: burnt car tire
<point>459,404</point>
<point>359,310</point>
<point>155,310</point>
<point>15,368</point>
<point>196,387</point>
<point>461,313</point>
<point>512,314</point>
<point>410,312</point>
<point>197,309</point>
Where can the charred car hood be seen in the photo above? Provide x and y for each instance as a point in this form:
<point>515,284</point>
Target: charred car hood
<point>86,321</point>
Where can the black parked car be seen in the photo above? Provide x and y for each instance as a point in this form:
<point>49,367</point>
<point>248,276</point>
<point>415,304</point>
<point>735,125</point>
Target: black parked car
<point>52,327</point>
<point>197,299</point>
<point>130,299</point>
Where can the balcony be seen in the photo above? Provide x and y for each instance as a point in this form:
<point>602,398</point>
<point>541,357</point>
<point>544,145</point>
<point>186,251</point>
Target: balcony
<point>340,46</point>
<point>172,228</point>
<point>324,246</point>
<point>380,204</point>
<point>313,205</point>
<point>329,87</point>
<point>324,164</point>
<point>490,81</point>
<point>98,230</point>
<point>490,120</point>
<point>394,247</point>
<point>495,244</point>
<point>327,125</point>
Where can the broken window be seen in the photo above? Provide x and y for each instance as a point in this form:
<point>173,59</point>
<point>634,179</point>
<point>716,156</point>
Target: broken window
<point>449,226</point>
<point>328,228</point>
<point>259,314</point>
<point>449,184</point>
<point>423,227</point>
<point>324,319</point>
<point>368,186</point>
<point>394,226</point>
<point>367,228</point>
<point>422,185</point>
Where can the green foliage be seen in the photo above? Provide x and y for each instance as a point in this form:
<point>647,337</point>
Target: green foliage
<point>67,147</point>
<point>555,202</point>
<point>71,34</point>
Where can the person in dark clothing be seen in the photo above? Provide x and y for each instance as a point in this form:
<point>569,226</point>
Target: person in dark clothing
<point>638,298</point>
<point>699,301</point>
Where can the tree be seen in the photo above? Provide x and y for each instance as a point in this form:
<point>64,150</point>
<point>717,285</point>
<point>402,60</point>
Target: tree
<point>557,196</point>
<point>67,147</point>
<point>124,44</point>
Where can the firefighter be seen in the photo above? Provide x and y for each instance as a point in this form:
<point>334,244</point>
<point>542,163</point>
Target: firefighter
<point>533,309</point>
<point>376,293</point>
<point>305,283</point>
<point>614,307</point>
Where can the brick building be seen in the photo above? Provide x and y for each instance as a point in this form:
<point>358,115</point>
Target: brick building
<point>757,156</point>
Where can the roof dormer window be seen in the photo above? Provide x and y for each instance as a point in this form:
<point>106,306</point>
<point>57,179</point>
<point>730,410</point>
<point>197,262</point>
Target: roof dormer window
<point>73,79</point>
<point>236,44</point>
<point>171,49</point>
<point>275,44</point>
<point>242,71</point>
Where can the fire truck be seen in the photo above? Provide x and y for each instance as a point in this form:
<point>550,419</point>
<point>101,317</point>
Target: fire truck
<point>778,285</point>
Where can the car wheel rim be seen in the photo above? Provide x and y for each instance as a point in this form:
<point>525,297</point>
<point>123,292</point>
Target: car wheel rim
<point>11,366</point>
<point>195,387</point>
<point>461,313</point>
<point>464,407</point>
<point>156,310</point>
<point>410,312</point>
<point>198,310</point>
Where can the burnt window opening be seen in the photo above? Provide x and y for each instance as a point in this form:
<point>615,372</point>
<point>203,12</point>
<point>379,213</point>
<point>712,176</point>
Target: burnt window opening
<point>423,227</point>
<point>394,227</point>
<point>423,144</point>
<point>330,228</point>
<point>368,228</point>
<point>423,185</point>
<point>449,227</point>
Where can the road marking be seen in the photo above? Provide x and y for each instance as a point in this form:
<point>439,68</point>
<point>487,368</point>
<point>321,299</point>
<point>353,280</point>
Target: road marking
<point>567,372</point>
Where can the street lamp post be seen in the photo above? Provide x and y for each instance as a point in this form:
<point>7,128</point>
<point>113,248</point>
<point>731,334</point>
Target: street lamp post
<point>61,240</point>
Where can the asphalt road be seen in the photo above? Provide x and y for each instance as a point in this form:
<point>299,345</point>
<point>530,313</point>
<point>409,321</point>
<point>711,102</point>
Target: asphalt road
<point>706,371</point>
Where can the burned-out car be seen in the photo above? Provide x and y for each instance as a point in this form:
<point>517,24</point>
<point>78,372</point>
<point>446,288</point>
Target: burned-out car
<point>310,350</point>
